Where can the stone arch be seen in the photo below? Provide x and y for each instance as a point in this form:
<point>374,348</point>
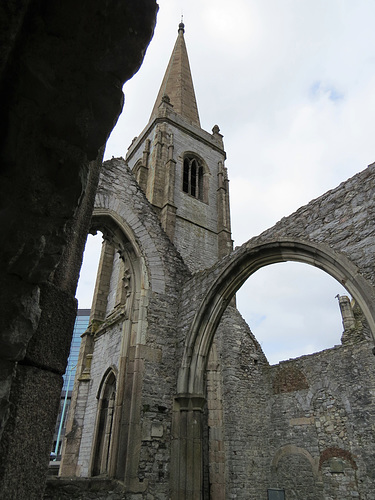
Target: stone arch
<point>291,449</point>
<point>334,452</point>
<point>140,172</point>
<point>111,369</point>
<point>118,220</point>
<point>203,175</point>
<point>293,468</point>
<point>330,386</point>
<point>121,233</point>
<point>338,469</point>
<point>103,442</point>
<point>229,275</point>
<point>121,236</point>
<point>130,240</point>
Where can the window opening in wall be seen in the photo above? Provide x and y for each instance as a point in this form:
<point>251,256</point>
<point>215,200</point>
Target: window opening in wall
<point>105,426</point>
<point>192,182</point>
<point>292,309</point>
<point>89,269</point>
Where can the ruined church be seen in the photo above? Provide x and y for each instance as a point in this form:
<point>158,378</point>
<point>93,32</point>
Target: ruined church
<point>173,395</point>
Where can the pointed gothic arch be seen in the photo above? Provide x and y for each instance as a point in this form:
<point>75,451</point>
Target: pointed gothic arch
<point>229,275</point>
<point>195,176</point>
<point>216,289</point>
<point>105,395</point>
<point>104,428</point>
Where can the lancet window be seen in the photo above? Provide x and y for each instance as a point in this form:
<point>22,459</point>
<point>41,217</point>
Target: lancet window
<point>192,182</point>
<point>104,425</point>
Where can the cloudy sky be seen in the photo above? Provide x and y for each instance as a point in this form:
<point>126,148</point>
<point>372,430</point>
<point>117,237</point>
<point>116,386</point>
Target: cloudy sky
<point>291,85</point>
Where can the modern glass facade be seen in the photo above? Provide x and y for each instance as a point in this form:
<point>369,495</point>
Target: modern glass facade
<point>80,326</point>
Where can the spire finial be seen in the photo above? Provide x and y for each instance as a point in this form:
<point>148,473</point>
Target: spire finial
<point>181,26</point>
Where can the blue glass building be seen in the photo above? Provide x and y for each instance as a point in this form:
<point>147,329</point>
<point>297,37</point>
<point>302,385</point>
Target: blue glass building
<point>80,326</point>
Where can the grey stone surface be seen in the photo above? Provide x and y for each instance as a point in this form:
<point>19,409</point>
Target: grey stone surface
<point>62,66</point>
<point>29,430</point>
<point>281,433</point>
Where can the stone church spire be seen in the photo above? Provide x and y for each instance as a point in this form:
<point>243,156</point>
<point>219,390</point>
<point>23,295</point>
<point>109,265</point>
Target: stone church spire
<point>181,168</point>
<point>177,83</point>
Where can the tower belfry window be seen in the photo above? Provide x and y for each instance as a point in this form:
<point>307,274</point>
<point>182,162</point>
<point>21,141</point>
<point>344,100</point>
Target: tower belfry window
<point>193,177</point>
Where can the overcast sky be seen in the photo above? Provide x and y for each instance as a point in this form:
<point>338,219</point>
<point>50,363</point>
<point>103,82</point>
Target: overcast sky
<point>291,85</point>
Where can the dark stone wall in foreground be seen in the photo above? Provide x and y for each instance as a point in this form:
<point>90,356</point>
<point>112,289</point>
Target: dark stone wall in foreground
<point>62,67</point>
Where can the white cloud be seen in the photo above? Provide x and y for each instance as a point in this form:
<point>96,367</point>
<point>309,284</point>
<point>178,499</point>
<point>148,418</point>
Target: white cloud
<point>299,310</point>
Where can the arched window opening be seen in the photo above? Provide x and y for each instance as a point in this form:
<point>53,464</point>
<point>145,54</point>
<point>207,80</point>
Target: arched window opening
<point>192,182</point>
<point>87,275</point>
<point>292,309</point>
<point>104,428</point>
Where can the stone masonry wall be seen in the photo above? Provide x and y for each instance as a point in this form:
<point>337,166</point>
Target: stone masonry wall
<point>106,355</point>
<point>245,400</point>
<point>305,425</point>
<point>63,65</point>
<point>330,423</point>
<point>149,379</point>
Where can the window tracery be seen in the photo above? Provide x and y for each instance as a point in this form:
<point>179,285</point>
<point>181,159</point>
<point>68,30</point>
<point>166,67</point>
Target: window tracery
<point>193,177</point>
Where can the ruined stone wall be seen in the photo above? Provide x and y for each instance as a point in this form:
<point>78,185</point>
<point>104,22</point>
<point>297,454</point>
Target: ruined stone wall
<point>322,418</point>
<point>245,400</point>
<point>305,425</point>
<point>139,342</point>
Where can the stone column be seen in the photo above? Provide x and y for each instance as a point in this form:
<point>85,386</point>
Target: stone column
<point>187,448</point>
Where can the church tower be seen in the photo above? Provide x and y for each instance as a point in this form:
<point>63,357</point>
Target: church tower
<point>180,167</point>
